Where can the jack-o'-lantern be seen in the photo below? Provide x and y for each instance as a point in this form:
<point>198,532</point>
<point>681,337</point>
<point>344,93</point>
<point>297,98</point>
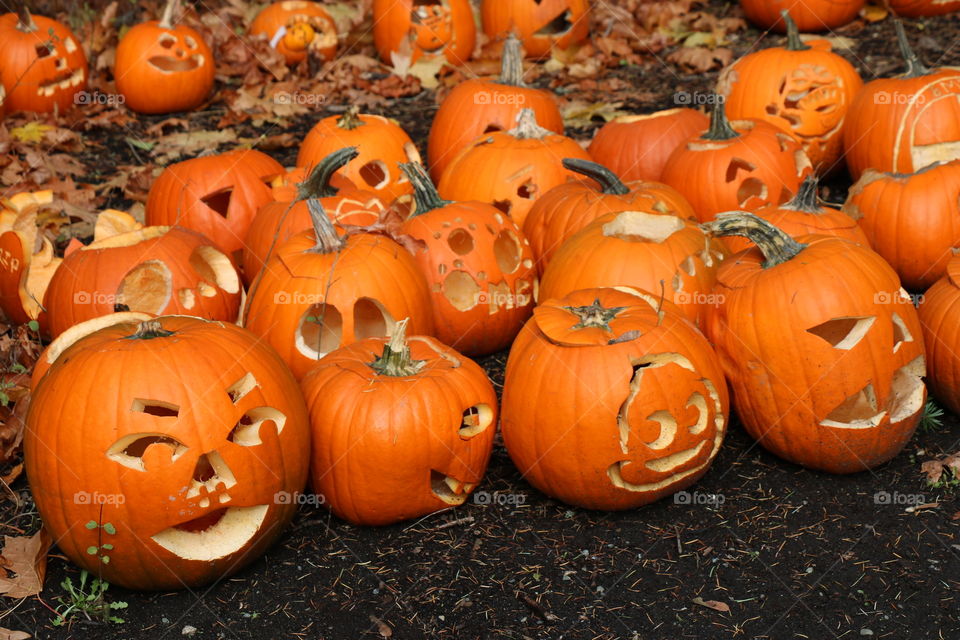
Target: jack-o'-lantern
<point>42,65</point>
<point>542,25</point>
<point>810,15</point>
<point>297,27</point>
<point>167,454</point>
<point>612,399</point>
<point>401,428</point>
<point>822,348</point>
<point>430,28</point>
<point>940,319</point>
<point>163,67</point>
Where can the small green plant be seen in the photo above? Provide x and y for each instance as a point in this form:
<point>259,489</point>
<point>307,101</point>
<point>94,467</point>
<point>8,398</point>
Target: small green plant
<point>87,600</point>
<point>932,418</point>
<point>948,482</point>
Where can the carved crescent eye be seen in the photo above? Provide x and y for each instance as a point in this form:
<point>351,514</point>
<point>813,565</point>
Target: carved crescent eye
<point>246,432</point>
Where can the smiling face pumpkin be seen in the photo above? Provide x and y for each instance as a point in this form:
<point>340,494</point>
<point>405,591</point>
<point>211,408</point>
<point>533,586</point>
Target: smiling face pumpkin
<point>192,470</point>
<point>541,24</point>
<point>296,28</point>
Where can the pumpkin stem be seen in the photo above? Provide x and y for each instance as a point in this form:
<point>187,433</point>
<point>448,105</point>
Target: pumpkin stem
<point>425,194</point>
<point>511,62</point>
<point>350,119</point>
<point>169,10</point>
<point>720,128</point>
<point>777,246</point>
<point>594,315</point>
<point>794,43</point>
<point>25,23</point>
<point>328,240</point>
<point>527,127</point>
<point>915,68</point>
<point>395,360</point>
<point>317,184</point>
<point>807,199</point>
<point>149,329</point>
<point>610,183</point>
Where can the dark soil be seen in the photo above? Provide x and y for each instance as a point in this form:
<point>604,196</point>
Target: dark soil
<point>793,553</point>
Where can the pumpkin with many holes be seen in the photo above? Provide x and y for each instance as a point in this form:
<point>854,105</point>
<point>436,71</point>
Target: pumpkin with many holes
<point>810,15</point>
<point>164,447</point>
<point>939,311</point>
<point>637,403</point>
<point>297,27</point>
<point>823,352</point>
<point>425,28</point>
<point>401,428</point>
<point>542,25</point>
<point>322,291</point>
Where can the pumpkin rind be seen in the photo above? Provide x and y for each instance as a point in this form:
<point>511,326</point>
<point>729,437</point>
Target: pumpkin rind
<point>542,25</point>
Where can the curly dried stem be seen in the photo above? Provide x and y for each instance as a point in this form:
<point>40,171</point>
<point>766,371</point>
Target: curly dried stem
<point>720,128</point>
<point>511,62</point>
<point>350,119</point>
<point>425,194</point>
<point>328,240</point>
<point>794,43</point>
<point>317,184</point>
<point>395,360</point>
<point>807,199</point>
<point>25,22</point>
<point>777,247</point>
<point>595,315</point>
<point>169,11</point>
<point>527,127</point>
<point>915,68</point>
<point>149,329</point>
<point>608,180</point>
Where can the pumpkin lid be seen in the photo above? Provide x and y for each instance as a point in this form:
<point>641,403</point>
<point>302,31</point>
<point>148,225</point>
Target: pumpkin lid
<point>598,317</point>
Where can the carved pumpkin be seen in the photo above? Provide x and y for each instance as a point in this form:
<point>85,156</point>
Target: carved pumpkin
<point>479,267</point>
<point>163,67</point>
<point>295,28</point>
<point>156,270</point>
<point>746,163</point>
<point>542,25</point>
<point>179,435</point>
<point>569,207</point>
<point>913,220</point>
<point>647,423</point>
<point>804,89</point>
<point>810,15</point>
<point>647,250</point>
<point>216,195</point>
<point>426,28</point>
<point>511,169</point>
<point>637,147</point>
<point>402,428</point>
<point>939,315</point>
<point>905,123</point>
<point>922,8</point>
<point>480,106</point>
<point>322,291</point>
<point>823,355</point>
<point>382,145</point>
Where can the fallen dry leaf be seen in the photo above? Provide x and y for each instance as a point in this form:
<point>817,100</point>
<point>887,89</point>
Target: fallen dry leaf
<point>7,634</point>
<point>934,468</point>
<point>30,132</point>
<point>577,113</point>
<point>723,607</point>
<point>26,558</point>
<point>701,59</point>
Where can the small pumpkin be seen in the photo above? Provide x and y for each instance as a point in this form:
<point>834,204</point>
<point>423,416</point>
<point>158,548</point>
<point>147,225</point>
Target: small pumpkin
<point>163,446</point>
<point>382,145</point>
<point>825,359</point>
<point>216,195</point>
<point>296,27</point>
<point>804,89</point>
<point>322,291</point>
<point>401,428</point>
<point>922,8</point>
<point>939,311</point>
<point>479,267</point>
<point>649,421</point>
<point>542,25</point>
<point>162,66</point>
<point>511,169</point>
<point>904,123</point>
<point>425,29</point>
<point>569,207</point>
<point>810,15</point>
<point>42,65</point>
<point>912,220</point>
<point>637,147</point>
<point>480,106</point>
<point>744,163</point>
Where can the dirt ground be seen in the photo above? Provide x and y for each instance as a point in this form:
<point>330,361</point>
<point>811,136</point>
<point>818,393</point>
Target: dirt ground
<point>760,548</point>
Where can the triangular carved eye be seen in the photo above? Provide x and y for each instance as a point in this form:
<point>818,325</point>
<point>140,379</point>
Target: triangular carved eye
<point>843,333</point>
<point>900,332</point>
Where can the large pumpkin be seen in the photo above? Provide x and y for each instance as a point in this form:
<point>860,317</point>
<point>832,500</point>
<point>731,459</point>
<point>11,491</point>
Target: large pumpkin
<point>542,25</point>
<point>296,28</point>
<point>156,453</point>
<point>804,89</point>
<point>430,29</point>
<point>162,66</point>
<point>479,106</point>
<point>42,65</point>
<point>904,123</point>
<point>823,353</point>
<point>401,428</point>
<point>940,318</point>
<point>810,15</point>
<point>612,400</point>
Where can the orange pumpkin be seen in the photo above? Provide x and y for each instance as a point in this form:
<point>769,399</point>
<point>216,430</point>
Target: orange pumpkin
<point>649,421</point>
<point>42,65</point>
<point>810,15</point>
<point>322,291</point>
<point>913,220</point>
<point>804,89</point>
<point>156,453</point>
<point>162,67</point>
<point>923,8</point>
<point>905,123</point>
<point>824,357</point>
<point>746,163</point>
<point>425,29</point>
<point>511,169</point>
<point>296,27</point>
<point>401,428</point>
<point>542,25</point>
<point>939,312</point>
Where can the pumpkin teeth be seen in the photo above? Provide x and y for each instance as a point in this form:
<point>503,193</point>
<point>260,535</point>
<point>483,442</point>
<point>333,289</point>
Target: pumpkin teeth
<point>449,490</point>
<point>62,81</point>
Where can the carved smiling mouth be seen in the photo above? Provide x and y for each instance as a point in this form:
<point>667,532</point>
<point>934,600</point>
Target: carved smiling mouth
<point>63,80</point>
<point>556,27</point>
<point>168,63</point>
<point>215,534</point>
<point>450,490</point>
